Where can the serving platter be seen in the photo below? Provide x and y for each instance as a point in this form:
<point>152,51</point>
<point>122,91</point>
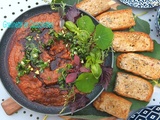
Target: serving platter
<point>147,113</point>
<point>150,17</point>
<point>141,3</point>
<point>157,21</point>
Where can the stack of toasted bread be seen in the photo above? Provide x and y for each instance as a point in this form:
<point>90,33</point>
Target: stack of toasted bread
<point>138,69</point>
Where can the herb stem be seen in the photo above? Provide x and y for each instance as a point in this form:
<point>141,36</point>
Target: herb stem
<point>141,14</point>
<point>67,99</point>
<point>45,117</point>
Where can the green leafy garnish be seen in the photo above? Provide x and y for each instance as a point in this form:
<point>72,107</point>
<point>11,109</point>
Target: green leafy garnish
<point>31,60</point>
<point>63,74</point>
<point>85,23</point>
<point>72,27</point>
<point>89,42</point>
<point>86,82</point>
<point>93,62</point>
<point>103,37</point>
<point>96,70</point>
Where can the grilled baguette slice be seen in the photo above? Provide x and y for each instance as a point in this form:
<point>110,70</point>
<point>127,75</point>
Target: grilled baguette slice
<point>133,87</point>
<point>132,41</point>
<point>113,104</point>
<point>141,65</point>
<point>118,19</point>
<point>94,7</point>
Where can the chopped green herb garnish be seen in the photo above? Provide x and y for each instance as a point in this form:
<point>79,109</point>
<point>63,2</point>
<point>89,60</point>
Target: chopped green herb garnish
<point>63,74</point>
<point>31,58</point>
<point>29,38</point>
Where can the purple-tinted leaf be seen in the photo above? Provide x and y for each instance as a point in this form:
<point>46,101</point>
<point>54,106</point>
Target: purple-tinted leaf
<point>80,101</point>
<point>72,14</point>
<point>71,77</point>
<point>84,69</point>
<point>76,60</point>
<point>71,70</point>
<point>106,76</point>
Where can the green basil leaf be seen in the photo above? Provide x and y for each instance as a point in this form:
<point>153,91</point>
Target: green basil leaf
<point>86,82</point>
<point>98,54</point>
<point>88,64</point>
<point>103,37</point>
<point>99,61</point>
<point>92,55</point>
<point>96,70</point>
<point>83,35</point>
<point>72,27</point>
<point>141,25</point>
<point>86,23</point>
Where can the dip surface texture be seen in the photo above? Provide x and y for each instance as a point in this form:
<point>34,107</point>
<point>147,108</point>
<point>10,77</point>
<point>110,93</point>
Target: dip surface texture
<point>43,87</point>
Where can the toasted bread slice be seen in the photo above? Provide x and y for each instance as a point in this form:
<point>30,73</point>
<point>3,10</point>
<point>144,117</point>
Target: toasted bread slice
<point>118,19</point>
<point>113,104</point>
<point>132,41</point>
<point>133,87</point>
<point>94,7</point>
<point>141,65</point>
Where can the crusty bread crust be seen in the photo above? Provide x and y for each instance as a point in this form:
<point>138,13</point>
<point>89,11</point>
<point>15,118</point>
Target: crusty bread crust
<point>133,87</point>
<point>94,7</point>
<point>132,41</point>
<point>118,19</point>
<point>113,104</point>
<point>141,65</point>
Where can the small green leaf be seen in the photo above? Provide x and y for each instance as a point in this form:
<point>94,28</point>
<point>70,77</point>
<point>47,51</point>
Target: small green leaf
<point>86,82</point>
<point>86,23</point>
<point>98,54</point>
<point>99,61</point>
<point>103,37</point>
<point>121,7</point>
<point>83,35</point>
<point>96,70</point>
<point>72,27</point>
<point>141,25</point>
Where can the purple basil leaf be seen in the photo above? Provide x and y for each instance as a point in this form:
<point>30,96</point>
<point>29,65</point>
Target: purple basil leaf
<point>71,77</point>
<point>76,60</point>
<point>84,69</point>
<point>71,70</point>
<point>80,101</point>
<point>106,76</point>
<point>72,14</point>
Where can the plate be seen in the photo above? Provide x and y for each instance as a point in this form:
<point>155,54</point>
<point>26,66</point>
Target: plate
<point>157,21</point>
<point>141,3</point>
<point>147,113</point>
<point>12,88</point>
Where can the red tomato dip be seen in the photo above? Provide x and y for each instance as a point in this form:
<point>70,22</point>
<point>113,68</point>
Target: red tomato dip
<point>42,88</point>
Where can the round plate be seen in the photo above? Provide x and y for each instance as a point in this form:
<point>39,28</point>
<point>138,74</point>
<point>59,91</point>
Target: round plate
<point>147,113</point>
<point>12,88</point>
<point>157,21</point>
<point>141,3</point>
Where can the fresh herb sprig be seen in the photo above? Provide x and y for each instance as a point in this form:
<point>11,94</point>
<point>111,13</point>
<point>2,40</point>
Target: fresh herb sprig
<point>94,40</point>
<point>64,73</point>
<point>89,43</point>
